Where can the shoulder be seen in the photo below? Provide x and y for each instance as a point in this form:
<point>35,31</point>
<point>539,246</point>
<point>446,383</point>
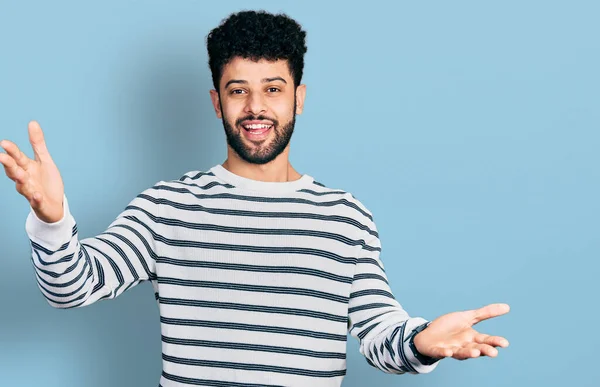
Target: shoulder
<point>190,182</point>
<point>195,177</point>
<point>196,180</point>
<point>357,209</point>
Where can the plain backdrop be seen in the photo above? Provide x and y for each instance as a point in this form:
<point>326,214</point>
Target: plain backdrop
<point>470,129</point>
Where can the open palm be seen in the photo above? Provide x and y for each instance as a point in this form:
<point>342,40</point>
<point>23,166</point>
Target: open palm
<point>38,179</point>
<point>452,335</point>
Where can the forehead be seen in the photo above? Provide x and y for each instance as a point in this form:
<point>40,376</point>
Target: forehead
<point>254,71</point>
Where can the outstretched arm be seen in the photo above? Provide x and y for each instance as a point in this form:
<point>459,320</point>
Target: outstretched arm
<point>379,322</point>
<point>71,272</point>
<point>394,342</point>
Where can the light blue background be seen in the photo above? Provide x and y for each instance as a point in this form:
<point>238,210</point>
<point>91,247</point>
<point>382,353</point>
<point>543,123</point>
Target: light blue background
<point>470,130</point>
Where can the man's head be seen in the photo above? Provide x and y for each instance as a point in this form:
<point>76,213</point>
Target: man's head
<point>257,60</point>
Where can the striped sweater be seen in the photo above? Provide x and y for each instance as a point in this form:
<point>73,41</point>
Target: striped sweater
<point>257,283</point>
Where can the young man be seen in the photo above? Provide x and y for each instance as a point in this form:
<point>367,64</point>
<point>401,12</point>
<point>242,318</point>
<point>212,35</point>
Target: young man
<point>259,271</point>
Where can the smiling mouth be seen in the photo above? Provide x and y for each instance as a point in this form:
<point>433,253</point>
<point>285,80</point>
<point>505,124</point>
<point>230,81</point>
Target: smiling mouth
<point>257,129</point>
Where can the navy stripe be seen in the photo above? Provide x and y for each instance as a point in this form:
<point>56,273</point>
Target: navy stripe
<point>254,268</point>
<point>122,255</point>
<point>248,230</point>
<point>142,239</point>
<point>259,214</point>
<point>64,259</point>
<point>310,191</point>
<point>211,383</point>
<point>64,295</point>
<point>374,305</point>
<point>254,308</point>
<point>372,292</point>
<point>136,251</point>
<point>370,261</point>
<point>255,347</point>
<point>388,343</point>
<point>375,356</point>
<point>66,271</point>
<point>80,297</point>
<point>112,263</point>
<point>207,186</point>
<point>72,281</point>
<point>365,322</point>
<point>196,176</point>
<point>362,334</point>
<point>100,271</point>
<point>362,276</point>
<point>401,349</point>
<point>253,328</point>
<point>253,288</point>
<point>265,199</point>
<point>370,362</point>
<point>254,367</point>
<point>254,249</point>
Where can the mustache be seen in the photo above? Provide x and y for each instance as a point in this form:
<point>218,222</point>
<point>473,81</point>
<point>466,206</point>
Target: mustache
<point>239,121</point>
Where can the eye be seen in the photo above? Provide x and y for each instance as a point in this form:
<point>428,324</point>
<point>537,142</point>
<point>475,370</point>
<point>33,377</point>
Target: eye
<point>237,91</point>
<point>273,89</point>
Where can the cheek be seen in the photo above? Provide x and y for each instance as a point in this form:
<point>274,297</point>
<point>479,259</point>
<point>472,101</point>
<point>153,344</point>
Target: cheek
<point>283,109</point>
<point>231,112</point>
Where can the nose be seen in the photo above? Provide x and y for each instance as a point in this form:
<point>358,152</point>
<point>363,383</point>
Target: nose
<point>255,104</point>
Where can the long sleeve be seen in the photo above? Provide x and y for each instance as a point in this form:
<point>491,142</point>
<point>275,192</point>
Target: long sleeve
<point>378,321</point>
<point>72,273</point>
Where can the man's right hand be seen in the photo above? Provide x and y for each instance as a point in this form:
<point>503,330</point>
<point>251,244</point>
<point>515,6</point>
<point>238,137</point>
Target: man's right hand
<point>38,180</point>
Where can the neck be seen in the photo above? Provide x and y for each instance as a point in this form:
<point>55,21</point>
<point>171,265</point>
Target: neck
<point>278,170</point>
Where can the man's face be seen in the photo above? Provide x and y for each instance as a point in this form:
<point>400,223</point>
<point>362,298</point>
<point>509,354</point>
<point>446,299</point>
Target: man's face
<point>257,103</point>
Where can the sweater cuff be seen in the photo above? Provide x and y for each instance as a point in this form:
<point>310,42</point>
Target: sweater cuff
<point>419,363</point>
<point>50,235</point>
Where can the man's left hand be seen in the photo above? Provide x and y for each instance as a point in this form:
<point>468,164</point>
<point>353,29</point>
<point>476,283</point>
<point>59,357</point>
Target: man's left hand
<point>452,335</point>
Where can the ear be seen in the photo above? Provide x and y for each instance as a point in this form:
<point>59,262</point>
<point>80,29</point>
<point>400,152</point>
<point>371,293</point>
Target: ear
<point>300,95</point>
<point>214,96</point>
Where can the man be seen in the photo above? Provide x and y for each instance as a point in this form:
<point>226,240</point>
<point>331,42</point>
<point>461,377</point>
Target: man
<point>259,271</point>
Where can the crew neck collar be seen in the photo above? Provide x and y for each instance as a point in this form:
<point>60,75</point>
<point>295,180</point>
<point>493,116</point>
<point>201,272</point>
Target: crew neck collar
<point>257,185</point>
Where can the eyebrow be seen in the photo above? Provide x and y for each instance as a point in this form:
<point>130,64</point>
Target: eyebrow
<point>264,80</point>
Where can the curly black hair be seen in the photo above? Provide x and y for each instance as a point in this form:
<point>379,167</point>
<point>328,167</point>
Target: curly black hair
<point>256,35</point>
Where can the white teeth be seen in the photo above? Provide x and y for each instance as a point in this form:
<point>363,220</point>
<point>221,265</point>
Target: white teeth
<point>258,126</point>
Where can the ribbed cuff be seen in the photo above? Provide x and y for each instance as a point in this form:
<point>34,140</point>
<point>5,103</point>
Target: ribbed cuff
<point>50,235</point>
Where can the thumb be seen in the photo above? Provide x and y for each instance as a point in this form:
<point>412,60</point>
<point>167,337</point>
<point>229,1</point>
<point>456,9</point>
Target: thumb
<point>38,143</point>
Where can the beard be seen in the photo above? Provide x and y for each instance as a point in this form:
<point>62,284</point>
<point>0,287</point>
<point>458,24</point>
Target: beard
<point>264,152</point>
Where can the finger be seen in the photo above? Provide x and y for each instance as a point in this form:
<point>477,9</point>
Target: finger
<point>440,352</point>
<point>13,151</point>
<point>486,350</point>
<point>489,311</point>
<point>467,353</point>
<point>12,170</point>
<point>495,341</point>
<point>38,143</point>
<point>462,353</point>
<point>481,338</point>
